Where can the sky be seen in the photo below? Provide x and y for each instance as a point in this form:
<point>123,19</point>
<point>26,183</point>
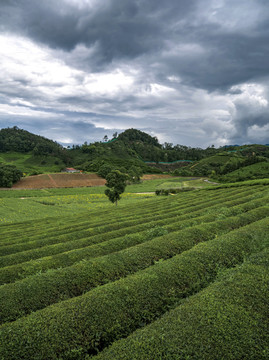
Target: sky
<point>191,72</point>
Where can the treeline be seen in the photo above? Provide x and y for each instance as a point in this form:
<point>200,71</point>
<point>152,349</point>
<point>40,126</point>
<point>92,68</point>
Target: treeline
<point>15,139</point>
<point>140,145</point>
<point>133,148</point>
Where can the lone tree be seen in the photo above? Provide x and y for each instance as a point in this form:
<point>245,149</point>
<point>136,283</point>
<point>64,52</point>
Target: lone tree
<point>116,183</point>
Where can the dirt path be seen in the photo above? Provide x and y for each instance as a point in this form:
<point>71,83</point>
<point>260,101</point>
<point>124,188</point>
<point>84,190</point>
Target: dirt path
<point>145,193</point>
<point>52,180</point>
<point>211,182</point>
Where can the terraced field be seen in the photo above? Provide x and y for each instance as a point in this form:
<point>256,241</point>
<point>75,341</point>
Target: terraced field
<point>148,280</point>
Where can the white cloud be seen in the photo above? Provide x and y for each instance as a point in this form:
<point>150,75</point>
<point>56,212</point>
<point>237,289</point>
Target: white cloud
<point>119,64</point>
<point>26,111</point>
<point>108,84</point>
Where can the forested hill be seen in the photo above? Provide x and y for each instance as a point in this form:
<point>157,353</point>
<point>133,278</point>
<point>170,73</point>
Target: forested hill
<point>134,136</point>
<point>131,149</point>
<point>141,145</point>
<point>22,141</point>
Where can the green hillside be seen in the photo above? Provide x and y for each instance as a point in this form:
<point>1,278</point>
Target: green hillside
<point>30,153</point>
<point>255,171</point>
<point>19,140</point>
<point>32,164</point>
<point>132,152</point>
<point>244,163</point>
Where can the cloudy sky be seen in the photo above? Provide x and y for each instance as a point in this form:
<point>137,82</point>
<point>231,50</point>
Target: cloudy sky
<point>191,72</point>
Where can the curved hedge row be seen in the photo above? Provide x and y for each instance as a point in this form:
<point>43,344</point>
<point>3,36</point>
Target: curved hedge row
<point>82,223</point>
<point>93,229</point>
<point>79,229</point>
<point>17,299</point>
<point>188,213</point>
<point>60,225</point>
<point>24,269</point>
<point>86,324</point>
<point>228,320</point>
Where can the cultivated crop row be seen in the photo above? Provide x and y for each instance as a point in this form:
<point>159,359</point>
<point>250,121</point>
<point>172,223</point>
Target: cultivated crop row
<point>173,217</point>
<point>229,319</point>
<point>14,245</point>
<point>68,255</point>
<point>16,299</point>
<point>51,227</point>
<point>88,323</point>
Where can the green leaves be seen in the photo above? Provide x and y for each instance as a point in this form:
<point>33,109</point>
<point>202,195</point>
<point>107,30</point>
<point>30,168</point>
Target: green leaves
<point>9,174</point>
<point>116,183</point>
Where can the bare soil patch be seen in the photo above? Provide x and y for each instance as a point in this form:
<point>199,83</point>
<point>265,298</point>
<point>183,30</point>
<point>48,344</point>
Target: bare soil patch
<point>155,176</point>
<point>59,180</point>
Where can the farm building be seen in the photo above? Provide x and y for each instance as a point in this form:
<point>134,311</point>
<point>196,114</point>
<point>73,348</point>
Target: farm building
<point>70,170</point>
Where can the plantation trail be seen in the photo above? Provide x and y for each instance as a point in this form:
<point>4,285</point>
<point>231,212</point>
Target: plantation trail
<point>52,180</point>
<point>155,176</point>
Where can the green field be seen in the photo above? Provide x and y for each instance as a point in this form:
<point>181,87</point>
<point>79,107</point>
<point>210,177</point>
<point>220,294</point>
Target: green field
<point>18,205</point>
<point>157,277</point>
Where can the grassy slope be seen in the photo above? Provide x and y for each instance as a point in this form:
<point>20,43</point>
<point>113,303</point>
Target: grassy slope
<point>254,171</point>
<point>28,163</point>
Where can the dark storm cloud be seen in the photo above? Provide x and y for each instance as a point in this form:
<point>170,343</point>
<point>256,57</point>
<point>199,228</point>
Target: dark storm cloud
<point>120,29</point>
<point>248,117</point>
<point>200,49</point>
<point>67,130</point>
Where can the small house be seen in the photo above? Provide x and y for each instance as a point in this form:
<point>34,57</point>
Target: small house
<point>71,170</point>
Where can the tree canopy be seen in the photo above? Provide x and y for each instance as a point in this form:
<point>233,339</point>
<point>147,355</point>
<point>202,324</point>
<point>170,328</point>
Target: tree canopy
<point>9,174</point>
<point>15,139</point>
<point>116,183</point>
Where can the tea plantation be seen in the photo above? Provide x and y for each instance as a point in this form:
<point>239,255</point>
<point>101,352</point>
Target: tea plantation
<point>157,277</point>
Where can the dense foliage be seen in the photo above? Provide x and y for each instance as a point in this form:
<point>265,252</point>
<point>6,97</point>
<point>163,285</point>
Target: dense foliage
<point>15,139</point>
<point>9,175</point>
<point>116,183</point>
<point>134,148</point>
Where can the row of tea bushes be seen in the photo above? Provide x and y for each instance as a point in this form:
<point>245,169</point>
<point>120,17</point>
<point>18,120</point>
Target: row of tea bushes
<point>23,249</point>
<point>170,220</point>
<point>78,233</point>
<point>228,320</point>
<point>89,323</point>
<point>17,299</point>
<point>30,233</point>
<point>13,272</point>
<point>67,223</point>
<point>71,227</point>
